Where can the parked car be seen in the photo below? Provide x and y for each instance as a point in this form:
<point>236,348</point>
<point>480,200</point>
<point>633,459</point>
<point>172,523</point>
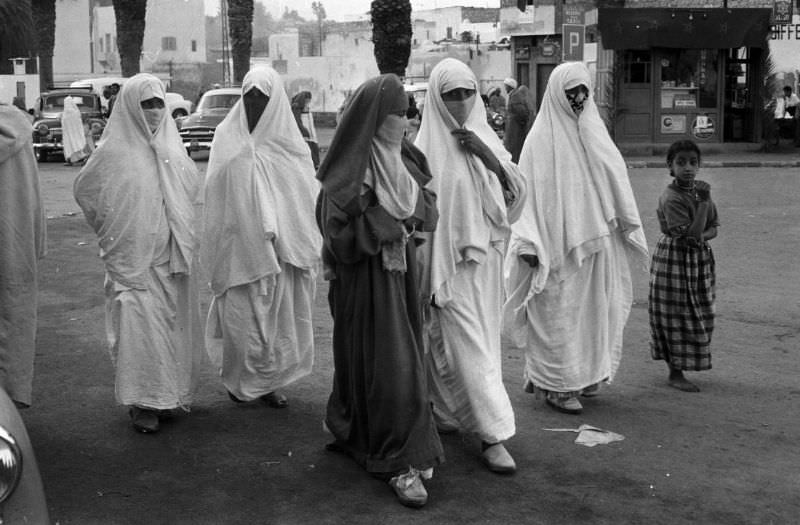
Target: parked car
<point>177,105</point>
<point>22,498</point>
<point>47,135</point>
<point>197,130</point>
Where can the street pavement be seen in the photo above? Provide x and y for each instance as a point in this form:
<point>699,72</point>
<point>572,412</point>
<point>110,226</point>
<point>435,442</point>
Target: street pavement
<point>727,455</point>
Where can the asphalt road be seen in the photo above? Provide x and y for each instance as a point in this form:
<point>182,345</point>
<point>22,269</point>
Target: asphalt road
<point>727,455</point>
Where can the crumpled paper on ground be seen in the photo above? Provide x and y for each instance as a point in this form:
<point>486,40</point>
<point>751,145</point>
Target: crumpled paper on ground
<point>590,436</point>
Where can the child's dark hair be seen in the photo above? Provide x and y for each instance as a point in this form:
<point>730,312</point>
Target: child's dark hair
<point>682,145</point>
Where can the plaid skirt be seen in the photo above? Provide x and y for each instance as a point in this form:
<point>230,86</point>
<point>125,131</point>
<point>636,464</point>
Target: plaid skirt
<point>681,304</point>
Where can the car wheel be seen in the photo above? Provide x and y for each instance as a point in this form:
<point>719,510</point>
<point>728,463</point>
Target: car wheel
<point>179,113</point>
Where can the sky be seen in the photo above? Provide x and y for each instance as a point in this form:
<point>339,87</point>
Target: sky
<point>339,9</point>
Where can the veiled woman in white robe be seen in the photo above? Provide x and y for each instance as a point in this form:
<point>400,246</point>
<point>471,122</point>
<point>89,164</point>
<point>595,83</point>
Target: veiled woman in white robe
<point>261,245</point>
<point>137,192</point>
<point>464,258</point>
<point>581,222</point>
<point>73,133</point>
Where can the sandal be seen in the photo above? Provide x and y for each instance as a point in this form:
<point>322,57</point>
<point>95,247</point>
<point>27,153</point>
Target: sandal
<point>567,405</point>
<point>409,489</point>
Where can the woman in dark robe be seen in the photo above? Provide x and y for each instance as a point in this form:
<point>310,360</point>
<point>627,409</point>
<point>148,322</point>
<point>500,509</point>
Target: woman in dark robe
<point>372,201</point>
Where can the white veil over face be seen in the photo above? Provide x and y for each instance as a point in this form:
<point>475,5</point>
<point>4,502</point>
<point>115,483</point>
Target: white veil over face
<point>131,174</point>
<point>261,186</point>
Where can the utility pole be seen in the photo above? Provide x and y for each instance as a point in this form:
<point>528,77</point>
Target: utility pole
<point>226,48</point>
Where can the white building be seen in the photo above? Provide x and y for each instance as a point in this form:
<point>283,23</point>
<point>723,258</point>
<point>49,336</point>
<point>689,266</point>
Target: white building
<point>86,38</point>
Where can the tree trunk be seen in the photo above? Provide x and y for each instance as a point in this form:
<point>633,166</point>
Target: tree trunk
<point>44,19</point>
<point>16,33</point>
<point>130,33</point>
<point>391,35</point>
<point>240,21</point>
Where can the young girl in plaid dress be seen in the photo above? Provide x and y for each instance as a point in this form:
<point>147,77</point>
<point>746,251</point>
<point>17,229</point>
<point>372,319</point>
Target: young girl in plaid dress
<point>681,300</point>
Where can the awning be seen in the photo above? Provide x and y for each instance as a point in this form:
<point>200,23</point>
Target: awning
<point>714,28</point>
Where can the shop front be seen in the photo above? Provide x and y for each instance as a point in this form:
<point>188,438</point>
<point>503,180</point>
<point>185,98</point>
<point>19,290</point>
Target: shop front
<point>683,73</point>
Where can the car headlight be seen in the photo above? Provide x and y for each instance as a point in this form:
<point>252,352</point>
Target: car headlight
<point>498,120</point>
<point>42,129</point>
<point>10,464</point>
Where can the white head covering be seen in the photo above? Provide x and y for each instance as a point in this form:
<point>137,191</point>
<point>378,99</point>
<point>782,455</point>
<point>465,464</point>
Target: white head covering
<point>131,174</point>
<point>260,192</point>
<point>579,191</point>
<point>510,82</point>
<point>469,196</point>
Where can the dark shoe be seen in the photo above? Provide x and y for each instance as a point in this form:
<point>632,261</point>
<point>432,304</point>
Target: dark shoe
<point>497,459</point>
<point>144,420</point>
<point>409,489</point>
<point>275,400</point>
<point>567,405</point>
<point>234,398</point>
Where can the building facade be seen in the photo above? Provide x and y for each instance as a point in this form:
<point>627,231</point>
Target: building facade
<point>692,70</point>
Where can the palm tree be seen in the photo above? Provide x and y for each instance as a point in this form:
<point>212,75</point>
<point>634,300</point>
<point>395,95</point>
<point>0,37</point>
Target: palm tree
<point>391,35</point>
<point>16,32</point>
<point>44,18</point>
<point>240,18</point>
<point>130,33</point>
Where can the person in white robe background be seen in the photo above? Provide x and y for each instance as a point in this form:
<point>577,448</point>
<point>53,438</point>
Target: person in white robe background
<point>261,245</point>
<point>76,147</point>
<point>23,236</point>
<point>568,277</point>
<point>480,192</point>
<point>137,192</point>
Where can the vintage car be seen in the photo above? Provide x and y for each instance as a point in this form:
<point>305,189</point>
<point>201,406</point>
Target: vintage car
<point>197,130</point>
<point>22,498</point>
<point>47,119</point>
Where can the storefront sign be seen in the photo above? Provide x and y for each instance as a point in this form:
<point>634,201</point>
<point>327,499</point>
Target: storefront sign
<point>573,15</point>
<point>785,32</point>
<point>574,36</point>
<point>685,101</point>
<point>782,12</point>
<point>673,124</point>
<point>703,127</point>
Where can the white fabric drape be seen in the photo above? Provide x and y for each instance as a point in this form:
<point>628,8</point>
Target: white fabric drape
<point>73,134</point>
<point>580,219</point>
<point>472,211</point>
<point>261,246</point>
<point>137,192</point>
<point>465,257</point>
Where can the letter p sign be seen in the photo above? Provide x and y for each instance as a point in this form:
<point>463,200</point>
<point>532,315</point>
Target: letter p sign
<point>573,37</point>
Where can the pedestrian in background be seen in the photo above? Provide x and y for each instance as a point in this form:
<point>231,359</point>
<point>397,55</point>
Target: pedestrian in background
<point>137,192</point>
<point>260,245</point>
<point>682,278</point>
<point>23,235</point>
<point>520,113</point>
<point>379,411</point>
<point>568,277</point>
<point>76,148</point>
<point>480,193</point>
<point>305,123</point>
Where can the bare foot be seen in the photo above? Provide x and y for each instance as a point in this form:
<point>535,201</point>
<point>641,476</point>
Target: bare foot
<point>681,383</point>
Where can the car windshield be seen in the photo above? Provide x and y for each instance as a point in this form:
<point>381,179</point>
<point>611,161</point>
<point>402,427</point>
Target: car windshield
<point>56,102</point>
<point>218,101</point>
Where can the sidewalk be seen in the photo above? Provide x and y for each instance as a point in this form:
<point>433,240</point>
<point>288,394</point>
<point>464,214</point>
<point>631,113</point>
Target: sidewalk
<point>732,155</point>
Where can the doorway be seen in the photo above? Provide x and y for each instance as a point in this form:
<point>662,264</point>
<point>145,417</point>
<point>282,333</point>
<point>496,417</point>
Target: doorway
<point>739,121</point>
<point>542,77</point>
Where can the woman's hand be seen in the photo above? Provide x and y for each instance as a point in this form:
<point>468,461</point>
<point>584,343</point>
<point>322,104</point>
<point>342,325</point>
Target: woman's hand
<point>470,142</point>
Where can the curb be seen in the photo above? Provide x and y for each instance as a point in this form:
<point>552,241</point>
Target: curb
<point>721,164</point>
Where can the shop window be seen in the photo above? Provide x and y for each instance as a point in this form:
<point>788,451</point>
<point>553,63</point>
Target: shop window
<point>689,78</point>
<point>637,67</point>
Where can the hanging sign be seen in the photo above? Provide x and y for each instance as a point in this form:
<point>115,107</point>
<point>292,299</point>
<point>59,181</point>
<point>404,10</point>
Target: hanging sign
<point>782,12</point>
